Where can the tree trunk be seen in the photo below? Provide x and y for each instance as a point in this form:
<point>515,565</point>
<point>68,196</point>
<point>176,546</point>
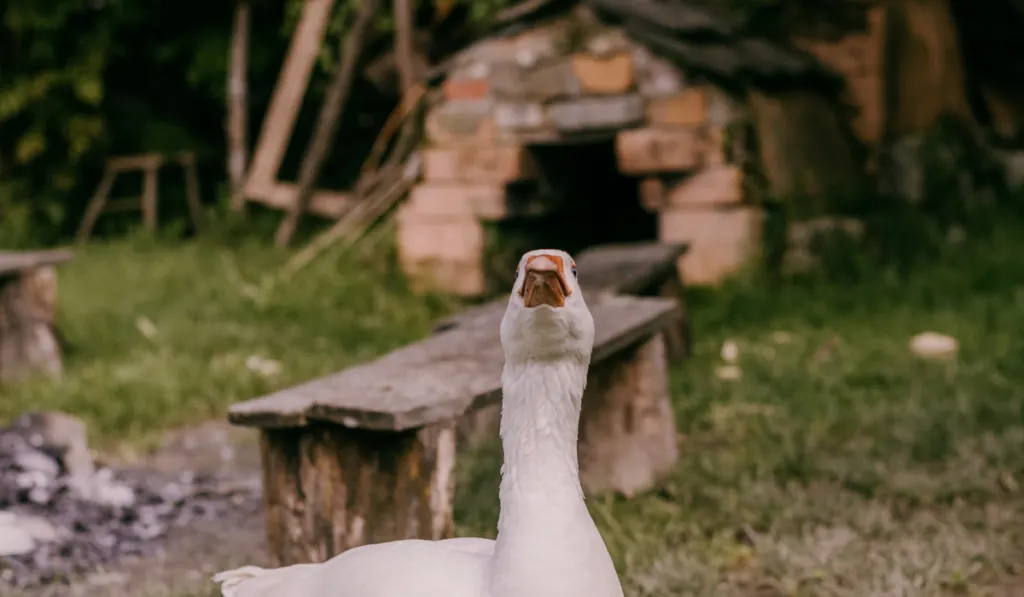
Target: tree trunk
<point>238,112</point>
<point>327,122</point>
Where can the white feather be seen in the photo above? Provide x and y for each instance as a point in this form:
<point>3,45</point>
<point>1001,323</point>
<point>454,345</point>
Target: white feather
<point>547,545</point>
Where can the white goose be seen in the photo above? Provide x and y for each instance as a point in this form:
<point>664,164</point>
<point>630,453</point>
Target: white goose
<point>547,545</point>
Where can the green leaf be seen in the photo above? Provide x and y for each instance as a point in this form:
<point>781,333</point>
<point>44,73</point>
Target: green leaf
<point>81,132</point>
<point>29,146</point>
<point>89,89</point>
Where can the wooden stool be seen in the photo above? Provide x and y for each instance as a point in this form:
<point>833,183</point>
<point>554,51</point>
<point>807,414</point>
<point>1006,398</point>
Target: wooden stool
<point>149,164</point>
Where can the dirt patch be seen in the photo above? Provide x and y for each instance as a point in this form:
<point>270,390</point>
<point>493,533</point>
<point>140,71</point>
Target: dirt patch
<point>188,555</point>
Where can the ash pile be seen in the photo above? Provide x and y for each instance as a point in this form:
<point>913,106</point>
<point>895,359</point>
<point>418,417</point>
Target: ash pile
<point>63,516</point>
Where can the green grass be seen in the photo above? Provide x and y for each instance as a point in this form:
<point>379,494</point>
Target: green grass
<point>838,465</point>
<point>129,385</point>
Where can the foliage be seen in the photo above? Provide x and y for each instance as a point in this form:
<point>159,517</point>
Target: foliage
<point>84,79</point>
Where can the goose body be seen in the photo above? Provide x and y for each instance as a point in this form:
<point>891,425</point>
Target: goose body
<point>547,544</point>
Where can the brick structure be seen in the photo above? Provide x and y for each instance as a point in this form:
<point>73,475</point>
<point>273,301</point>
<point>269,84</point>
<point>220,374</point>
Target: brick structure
<point>567,75</point>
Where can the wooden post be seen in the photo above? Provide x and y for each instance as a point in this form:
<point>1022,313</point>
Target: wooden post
<point>279,120</point>
<point>328,488</point>
<point>627,428</point>
<point>238,112</point>
<point>149,194</point>
<point>195,205</point>
<point>679,337</point>
<point>404,58</point>
<point>96,204</point>
<point>327,121</point>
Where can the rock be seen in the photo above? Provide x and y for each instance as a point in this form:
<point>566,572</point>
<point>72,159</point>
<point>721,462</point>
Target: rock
<point>102,489</point>
<point>14,541</point>
<point>59,434</point>
<point>21,534</point>
<point>30,460</point>
<point>730,351</point>
<point>55,524</point>
<point>933,345</point>
<point>263,366</point>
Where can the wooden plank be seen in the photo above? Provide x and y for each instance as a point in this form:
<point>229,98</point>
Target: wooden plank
<point>335,100</point>
<point>288,93</point>
<point>20,261</point>
<point>441,377</point>
<point>135,162</point>
<point>329,204</point>
<point>614,269</point>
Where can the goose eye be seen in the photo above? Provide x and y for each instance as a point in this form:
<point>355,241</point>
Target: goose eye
<point>573,269</point>
<point>517,273</point>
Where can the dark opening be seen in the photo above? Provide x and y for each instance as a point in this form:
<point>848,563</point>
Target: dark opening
<point>587,201</point>
<point>591,201</point>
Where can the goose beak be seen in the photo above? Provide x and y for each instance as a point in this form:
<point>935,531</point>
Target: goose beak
<point>544,283</point>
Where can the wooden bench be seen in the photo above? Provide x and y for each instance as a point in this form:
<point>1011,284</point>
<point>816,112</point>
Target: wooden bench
<point>28,311</point>
<point>642,269</point>
<point>368,454</point>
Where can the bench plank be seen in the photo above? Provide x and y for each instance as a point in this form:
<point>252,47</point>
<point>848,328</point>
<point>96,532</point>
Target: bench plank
<point>616,268</point>
<point>12,262</point>
<point>441,377</point>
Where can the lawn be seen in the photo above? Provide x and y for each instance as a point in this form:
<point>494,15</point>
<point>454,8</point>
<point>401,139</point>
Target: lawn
<point>837,465</point>
<point>161,335</point>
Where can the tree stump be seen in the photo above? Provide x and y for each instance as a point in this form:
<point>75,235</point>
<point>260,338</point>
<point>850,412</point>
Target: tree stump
<point>28,308</point>
<point>328,488</point>
<point>627,438</point>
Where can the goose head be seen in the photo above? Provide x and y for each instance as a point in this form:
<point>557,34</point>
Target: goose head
<point>547,318</point>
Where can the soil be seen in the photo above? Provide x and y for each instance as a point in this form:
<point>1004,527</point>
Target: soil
<point>190,555</point>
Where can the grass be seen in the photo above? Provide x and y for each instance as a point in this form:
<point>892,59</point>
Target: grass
<point>159,335</point>
<point>838,465</point>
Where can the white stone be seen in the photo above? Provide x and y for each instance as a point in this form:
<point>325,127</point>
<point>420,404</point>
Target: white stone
<point>933,345</point>
<point>21,534</point>
<point>730,351</point>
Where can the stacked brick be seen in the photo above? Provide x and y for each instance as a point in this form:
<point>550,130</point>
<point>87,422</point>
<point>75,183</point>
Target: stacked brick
<point>567,80</point>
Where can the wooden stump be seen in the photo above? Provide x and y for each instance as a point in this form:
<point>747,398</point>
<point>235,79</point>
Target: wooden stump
<point>328,488</point>
<point>627,428</point>
<point>28,308</point>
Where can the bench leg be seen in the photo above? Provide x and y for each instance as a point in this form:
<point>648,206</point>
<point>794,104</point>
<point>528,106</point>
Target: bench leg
<point>328,488</point>
<point>28,343</point>
<point>480,426</point>
<point>627,427</point>
<point>679,337</point>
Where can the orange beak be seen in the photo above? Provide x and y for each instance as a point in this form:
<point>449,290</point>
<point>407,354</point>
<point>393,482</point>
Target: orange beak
<point>544,283</point>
